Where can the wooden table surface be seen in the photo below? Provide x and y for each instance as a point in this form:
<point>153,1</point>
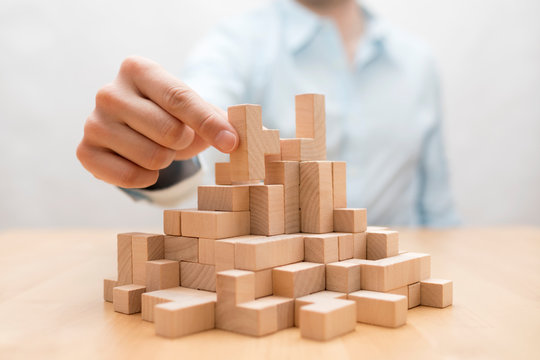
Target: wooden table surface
<point>51,304</point>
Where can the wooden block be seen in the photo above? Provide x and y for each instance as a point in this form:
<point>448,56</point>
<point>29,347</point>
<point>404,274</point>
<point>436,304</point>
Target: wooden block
<point>381,309</point>
<point>223,197</point>
<point>343,277</point>
<point>285,310</point>
<point>223,173</point>
<point>267,209</point>
<point>299,279</point>
<point>339,184</point>
<point>287,173</point>
<point>234,287</point>
<point>345,246</point>
<point>207,252</point>
<point>181,248</point>
<point>269,252</point>
<point>145,247</point>
<point>247,161</point>
<point>322,248</point>
<point>404,291</point>
<point>382,244</point>
<point>175,319</point>
<point>316,201</point>
<point>177,294</point>
<point>436,293</point>
<point>350,220</point>
<point>413,294</point>
<point>198,276</point>
<point>376,228</point>
<point>360,245</point>
<point>224,251</point>
<point>252,318</point>
<point>162,274</point>
<point>108,285</point>
<point>125,265</point>
<point>171,222</point>
<point>326,320</point>
<point>320,296</point>
<point>263,283</point>
<point>394,272</point>
<point>215,224</point>
<point>127,298</point>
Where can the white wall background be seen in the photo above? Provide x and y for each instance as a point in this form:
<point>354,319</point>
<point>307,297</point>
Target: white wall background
<point>55,54</point>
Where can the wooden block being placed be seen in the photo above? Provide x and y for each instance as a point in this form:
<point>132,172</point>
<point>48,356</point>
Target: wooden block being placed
<point>339,184</point>
<point>223,197</point>
<point>263,283</point>
<point>207,251</point>
<point>108,285</point>
<point>326,320</point>
<point>381,309</point>
<point>247,161</point>
<point>267,209</point>
<point>224,251</point>
<point>171,222</point>
<point>287,173</point>
<point>175,319</point>
<point>198,276</point>
<point>345,246</point>
<point>127,298</point>
<point>320,296</point>
<point>125,264</point>
<point>322,248</point>
<point>436,293</point>
<point>360,245</point>
<point>269,252</point>
<point>223,173</point>
<point>382,244</point>
<point>299,279</point>
<point>177,294</point>
<point>316,200</point>
<point>162,274</point>
<point>414,295</point>
<point>215,224</point>
<point>350,220</point>
<point>343,277</point>
<point>181,248</point>
<point>234,287</point>
<point>145,247</point>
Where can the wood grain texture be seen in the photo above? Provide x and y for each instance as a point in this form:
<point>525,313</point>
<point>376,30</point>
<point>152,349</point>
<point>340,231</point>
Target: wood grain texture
<point>269,252</point>
<point>198,276</point>
<point>127,298</point>
<point>108,285</point>
<point>350,220</point>
<point>145,247</point>
<point>171,222</point>
<point>316,201</point>
<point>263,283</point>
<point>360,245</point>
<point>287,173</point>
<point>207,251</point>
<point>323,248</point>
<point>181,248</point>
<point>382,244</point>
<point>225,251</point>
<point>234,287</point>
<point>162,274</point>
<point>313,298</point>
<point>343,277</point>
<point>267,209</point>
<point>215,224</point>
<point>413,292</point>
<point>124,259</point>
<point>223,197</point>
<point>176,319</point>
<point>176,294</point>
<point>345,246</point>
<point>381,309</point>
<point>222,172</point>
<point>436,293</point>
<point>326,320</point>
<point>299,279</point>
<point>339,184</point>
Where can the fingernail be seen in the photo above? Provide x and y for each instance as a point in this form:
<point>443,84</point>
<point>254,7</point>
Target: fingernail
<point>225,141</point>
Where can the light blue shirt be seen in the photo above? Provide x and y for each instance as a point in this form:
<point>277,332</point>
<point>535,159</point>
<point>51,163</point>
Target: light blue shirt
<point>383,112</point>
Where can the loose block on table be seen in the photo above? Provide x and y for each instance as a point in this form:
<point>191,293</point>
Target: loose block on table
<point>436,293</point>
<point>127,298</point>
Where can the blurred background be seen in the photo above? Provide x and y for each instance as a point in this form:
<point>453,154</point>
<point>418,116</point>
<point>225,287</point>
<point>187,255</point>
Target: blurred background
<point>55,55</point>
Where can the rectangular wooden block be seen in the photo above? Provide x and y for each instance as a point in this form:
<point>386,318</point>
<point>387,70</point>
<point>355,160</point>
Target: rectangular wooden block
<point>436,293</point>
<point>413,291</point>
<point>223,197</point>
<point>181,248</point>
<point>127,298</point>
<point>360,245</point>
<point>339,184</point>
<point>299,279</point>
<point>207,251</point>
<point>323,248</point>
<point>320,296</point>
<point>263,283</point>
<point>171,222</point>
<point>108,285</point>
<point>175,319</point>
<point>162,274</point>
<point>223,173</point>
<point>316,199</point>
<point>326,320</point>
<point>253,318</point>
<point>215,224</point>
<point>382,244</point>
<point>269,252</point>
<point>267,209</point>
<point>234,287</point>
<point>403,291</point>
<point>381,309</point>
<point>145,247</point>
<point>176,294</point>
<point>343,277</point>
<point>350,220</point>
<point>125,265</point>
<point>287,173</point>
<point>198,276</point>
<point>345,246</point>
<point>284,308</point>
<point>311,124</point>
<point>224,251</point>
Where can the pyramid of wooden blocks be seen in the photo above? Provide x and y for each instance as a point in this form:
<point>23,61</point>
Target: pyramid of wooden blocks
<point>272,245</point>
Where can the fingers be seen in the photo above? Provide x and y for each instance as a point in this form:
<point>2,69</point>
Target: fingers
<point>180,101</point>
<point>196,147</point>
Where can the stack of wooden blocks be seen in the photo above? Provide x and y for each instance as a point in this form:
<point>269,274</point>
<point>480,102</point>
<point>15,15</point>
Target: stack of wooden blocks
<point>272,245</point>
